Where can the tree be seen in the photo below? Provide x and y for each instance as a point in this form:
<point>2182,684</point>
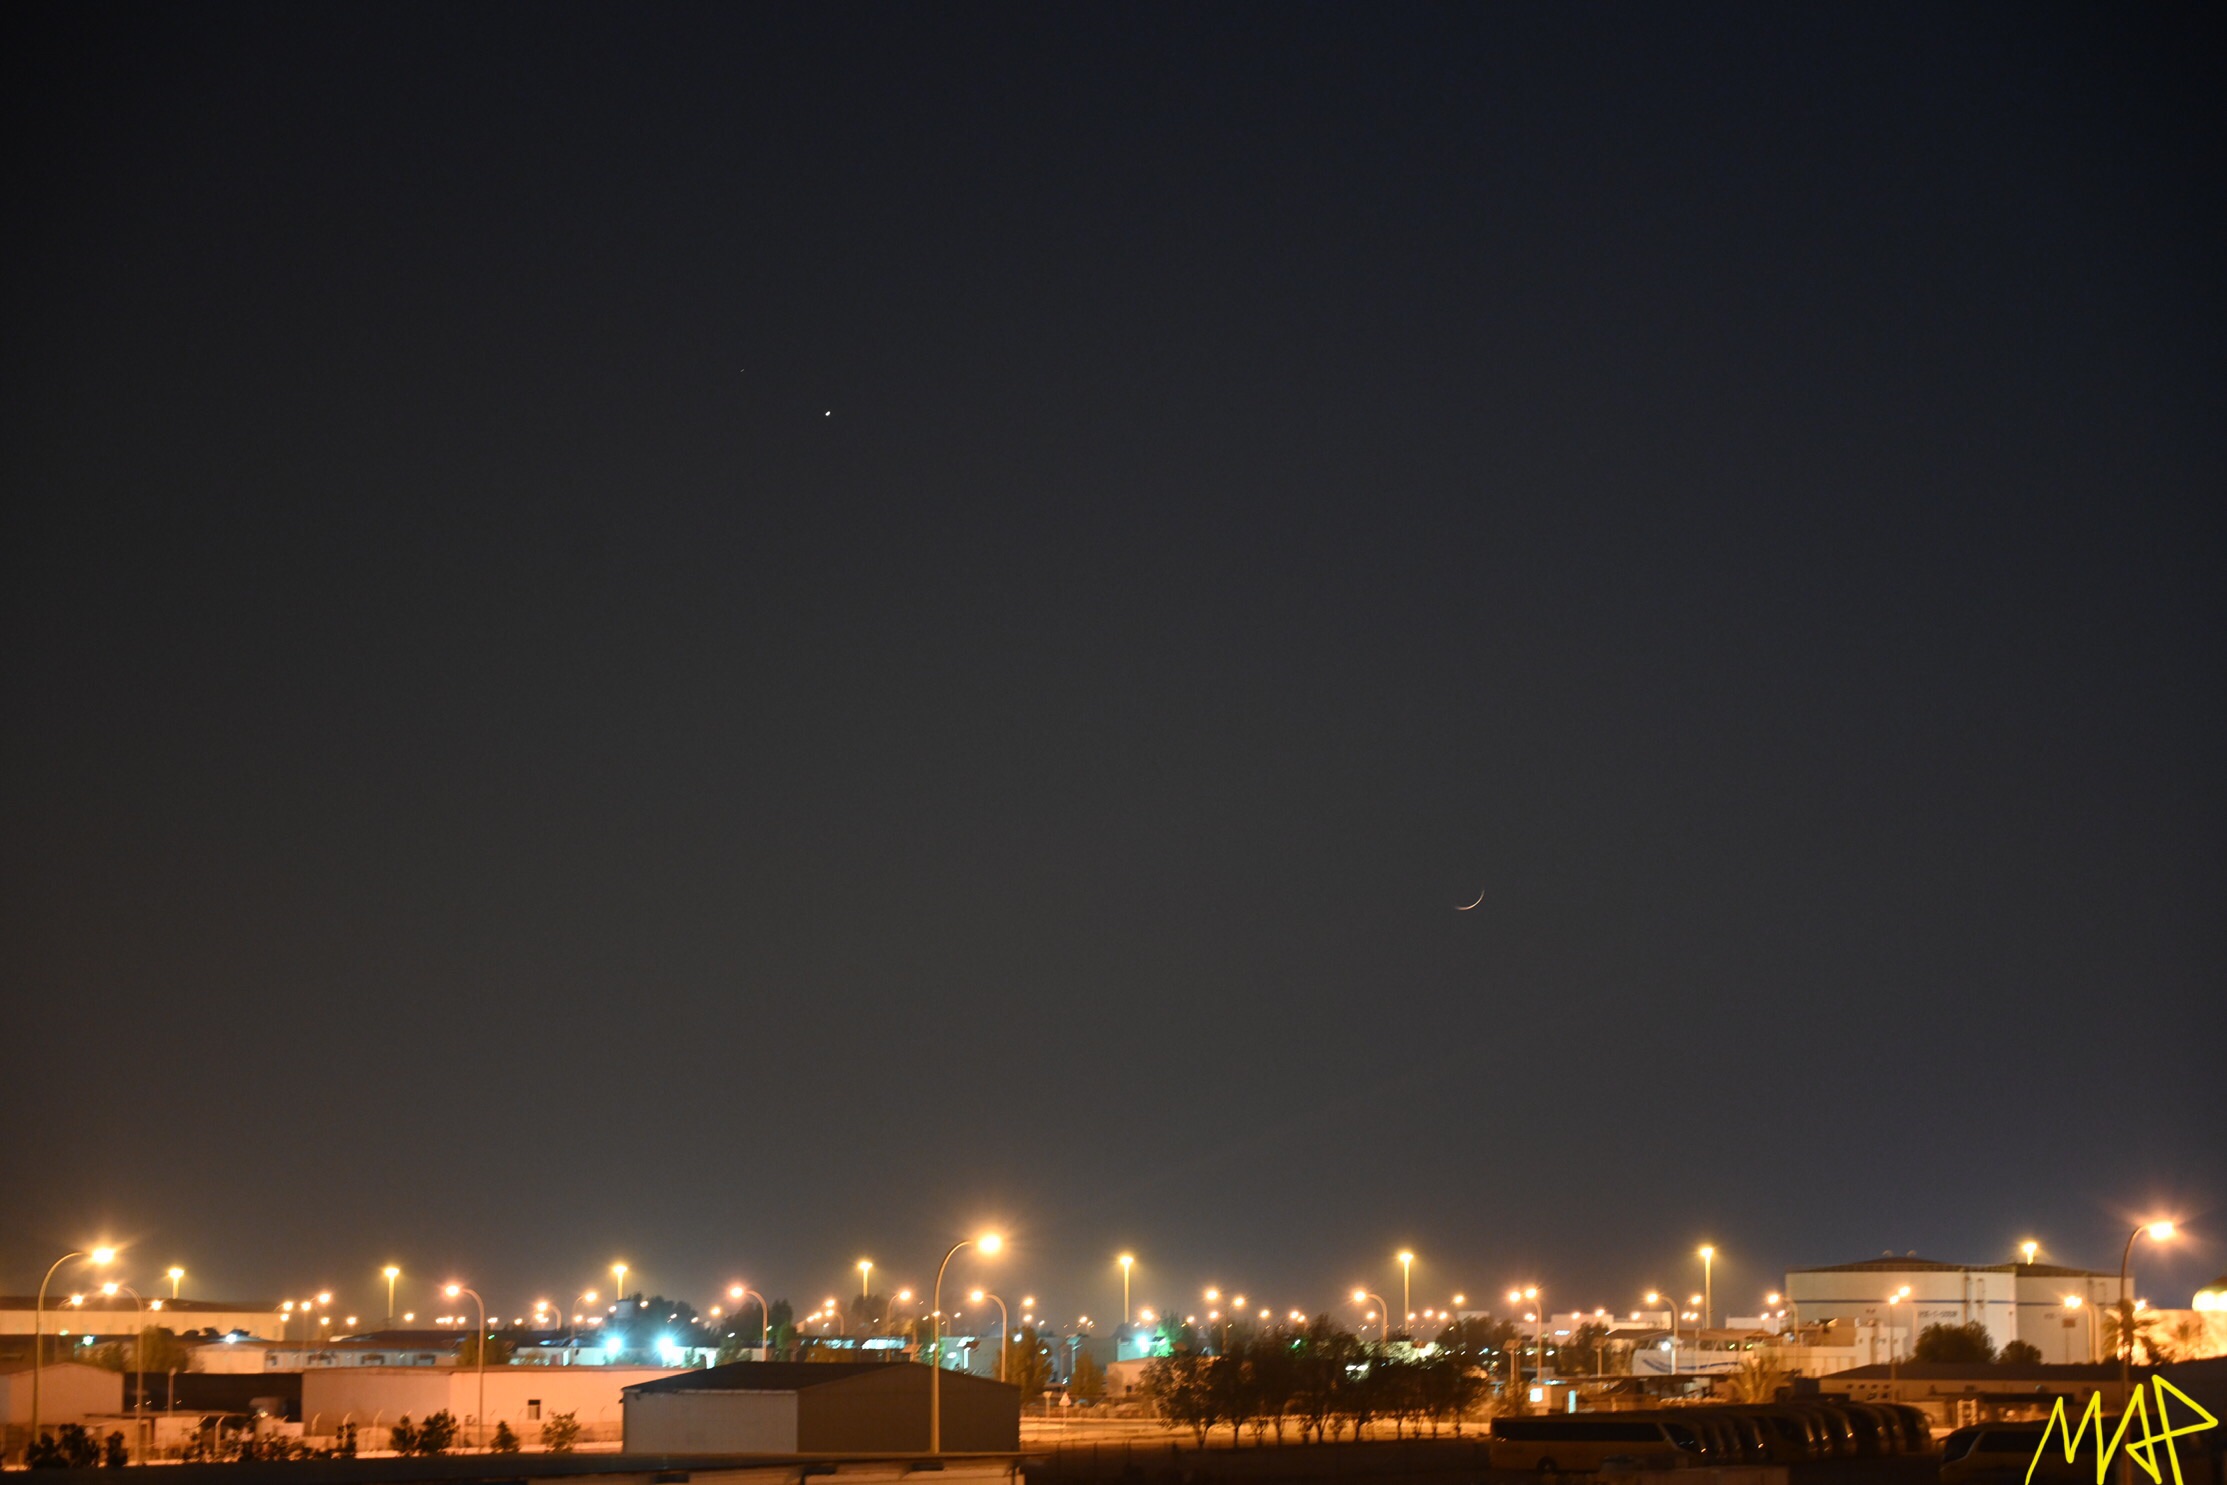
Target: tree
<point>505,1442</point>
<point>113,1455</point>
<point>1089,1381</point>
<point>500,1349</point>
<point>559,1432</point>
<point>402,1438</point>
<point>782,1320</point>
<point>1176,1384</point>
<point>435,1434</point>
<point>156,1351</point>
<point>2019,1353</point>
<point>1955,1343</point>
<point>1026,1364</point>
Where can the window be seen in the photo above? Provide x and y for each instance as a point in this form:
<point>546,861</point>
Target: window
<point>533,1409</point>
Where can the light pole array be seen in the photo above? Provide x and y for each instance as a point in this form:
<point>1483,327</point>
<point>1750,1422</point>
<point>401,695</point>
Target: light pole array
<point>390,1273</point>
<point>1407,1287</point>
<point>1128,1261</point>
<point>1708,1286</point>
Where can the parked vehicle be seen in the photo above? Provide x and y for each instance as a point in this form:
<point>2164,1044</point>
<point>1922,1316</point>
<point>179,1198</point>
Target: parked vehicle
<point>1993,1453</point>
<point>1586,1441</point>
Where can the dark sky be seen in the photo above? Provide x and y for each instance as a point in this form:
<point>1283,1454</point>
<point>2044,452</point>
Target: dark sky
<point>740,636</point>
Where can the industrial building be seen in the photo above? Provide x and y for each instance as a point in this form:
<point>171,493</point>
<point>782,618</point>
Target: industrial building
<point>796,1407</point>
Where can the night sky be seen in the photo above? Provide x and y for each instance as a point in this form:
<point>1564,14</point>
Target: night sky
<point>743,637</point>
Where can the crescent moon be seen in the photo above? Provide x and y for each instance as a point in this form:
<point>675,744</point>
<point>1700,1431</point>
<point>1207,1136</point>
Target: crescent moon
<point>1480,898</point>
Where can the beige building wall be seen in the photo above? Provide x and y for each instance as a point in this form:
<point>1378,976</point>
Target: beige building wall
<point>376,1397</point>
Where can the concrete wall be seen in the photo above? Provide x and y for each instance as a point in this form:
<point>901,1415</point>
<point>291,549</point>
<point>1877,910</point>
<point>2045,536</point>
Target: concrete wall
<point>525,1397</point>
<point>113,1317</point>
<point>68,1393</point>
<point>887,1412</point>
<point>711,1423</point>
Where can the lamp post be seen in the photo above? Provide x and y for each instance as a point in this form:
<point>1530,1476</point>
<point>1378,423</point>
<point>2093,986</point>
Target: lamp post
<point>1128,1261</point>
<point>1004,1325</point>
<point>2074,1302</point>
<point>988,1242</point>
<point>1407,1286</point>
<point>1655,1297</point>
<point>101,1257</point>
<point>453,1291</point>
<point>2158,1232</point>
<point>390,1273</point>
<point>1708,1287</point>
<point>619,1272</point>
<point>174,1275</point>
<point>1894,1351</point>
<point>1384,1326</point>
<point>740,1292</point>
<point>138,1362</point>
<point>1531,1292</point>
<point>865,1277</point>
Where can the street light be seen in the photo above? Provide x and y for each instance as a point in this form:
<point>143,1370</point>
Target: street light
<point>2157,1232</point>
<point>1894,1351</point>
<point>865,1276</point>
<point>1384,1311</point>
<point>1127,1261</point>
<point>139,1362</point>
<point>988,1242</point>
<point>1004,1325</point>
<point>1708,1288</point>
<point>2074,1302</point>
<point>390,1273</point>
<point>2029,1248</point>
<point>480,1345</point>
<point>100,1257</point>
<point>174,1274</point>
<point>1655,1297</point>
<point>738,1292</point>
<point>1531,1292</point>
<point>619,1272</point>
<point>1407,1283</point>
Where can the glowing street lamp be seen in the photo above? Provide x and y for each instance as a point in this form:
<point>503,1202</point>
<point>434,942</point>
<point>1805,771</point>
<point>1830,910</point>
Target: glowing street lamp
<point>1127,1261</point>
<point>479,1345</point>
<point>174,1274</point>
<point>2030,1248</point>
<point>1655,1297</point>
<point>1384,1313</point>
<point>1407,1285</point>
<point>2156,1232</point>
<point>100,1257</point>
<point>1530,1293</point>
<point>390,1273</point>
<point>978,1296</point>
<point>619,1271</point>
<point>738,1292</point>
<point>865,1277</point>
<point>989,1243</point>
<point>138,1356</point>
<point>2074,1302</point>
<point>1708,1288</point>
